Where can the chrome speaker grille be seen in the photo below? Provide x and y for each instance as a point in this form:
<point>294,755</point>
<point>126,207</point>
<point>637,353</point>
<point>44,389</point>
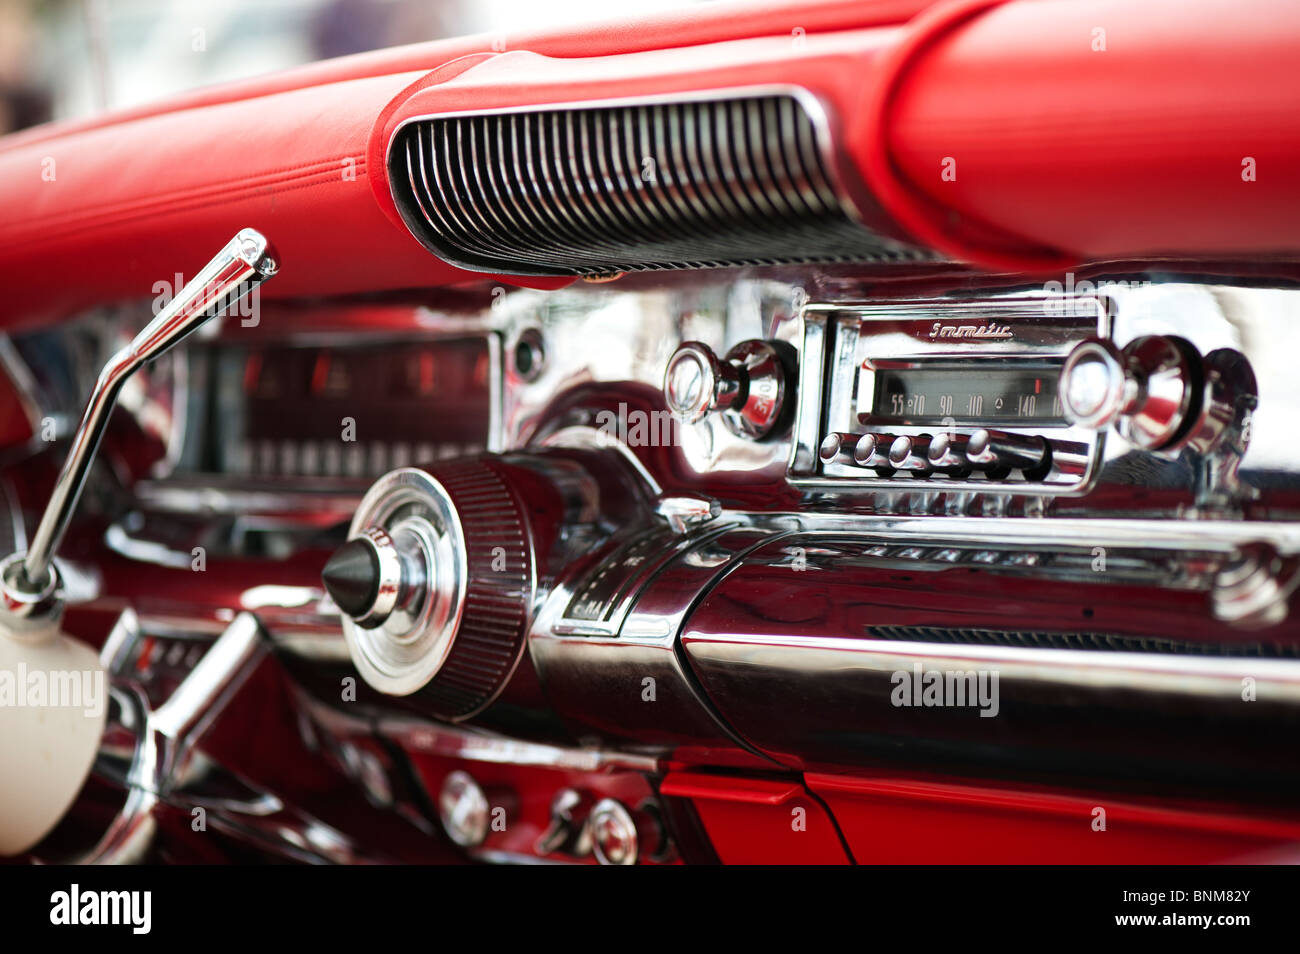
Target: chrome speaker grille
<point>599,190</point>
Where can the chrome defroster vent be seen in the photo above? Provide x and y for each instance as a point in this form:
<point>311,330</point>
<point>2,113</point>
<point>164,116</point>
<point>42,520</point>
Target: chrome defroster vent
<point>616,188</point>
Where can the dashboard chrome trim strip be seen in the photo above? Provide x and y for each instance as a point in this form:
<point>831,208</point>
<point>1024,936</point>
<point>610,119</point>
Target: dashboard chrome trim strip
<point>1212,536</point>
<point>1217,677</point>
<point>200,494</point>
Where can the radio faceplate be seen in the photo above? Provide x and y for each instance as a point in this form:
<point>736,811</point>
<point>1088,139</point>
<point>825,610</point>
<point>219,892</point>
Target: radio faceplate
<point>944,395</point>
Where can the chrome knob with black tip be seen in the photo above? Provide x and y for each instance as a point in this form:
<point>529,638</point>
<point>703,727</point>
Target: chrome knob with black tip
<point>440,575</point>
<point>428,552</point>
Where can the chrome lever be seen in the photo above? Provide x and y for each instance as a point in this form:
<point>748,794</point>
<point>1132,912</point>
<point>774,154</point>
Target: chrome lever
<point>28,581</point>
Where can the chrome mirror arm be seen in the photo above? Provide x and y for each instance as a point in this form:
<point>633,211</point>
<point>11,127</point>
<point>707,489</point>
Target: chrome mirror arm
<point>28,580</point>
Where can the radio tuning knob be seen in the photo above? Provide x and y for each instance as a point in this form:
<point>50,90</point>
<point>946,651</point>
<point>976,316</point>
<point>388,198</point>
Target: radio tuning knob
<point>749,387</point>
<point>436,580</point>
<point>1148,391</point>
<point>1094,387</point>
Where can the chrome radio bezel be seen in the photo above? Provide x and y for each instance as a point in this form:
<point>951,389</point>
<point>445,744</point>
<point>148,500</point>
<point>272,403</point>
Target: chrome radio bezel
<point>841,337</point>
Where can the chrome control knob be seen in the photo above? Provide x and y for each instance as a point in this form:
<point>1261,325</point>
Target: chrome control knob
<point>1094,387</point>
<point>1148,391</point>
<point>749,388</point>
<point>435,583</point>
<point>615,838</point>
<point>837,448</point>
<point>440,575</point>
<point>463,809</point>
<point>696,383</point>
<point>947,454</point>
<point>911,453</point>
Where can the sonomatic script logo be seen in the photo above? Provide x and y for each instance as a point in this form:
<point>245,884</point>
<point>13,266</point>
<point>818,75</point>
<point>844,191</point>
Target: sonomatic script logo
<point>989,332</point>
<point>103,907</point>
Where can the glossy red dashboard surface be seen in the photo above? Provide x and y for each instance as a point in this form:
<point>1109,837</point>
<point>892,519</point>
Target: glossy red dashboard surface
<point>837,819</point>
<point>1035,135</point>
<point>1034,118</point>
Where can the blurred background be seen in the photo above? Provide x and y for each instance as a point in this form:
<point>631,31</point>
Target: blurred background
<point>66,58</point>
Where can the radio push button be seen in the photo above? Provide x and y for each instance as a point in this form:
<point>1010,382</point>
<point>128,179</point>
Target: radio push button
<point>948,454</point>
<point>997,453</point>
<point>911,453</point>
<point>872,450</point>
<point>861,450</point>
<point>839,448</point>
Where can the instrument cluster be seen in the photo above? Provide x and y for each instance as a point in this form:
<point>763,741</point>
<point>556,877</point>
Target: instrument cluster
<point>348,409</point>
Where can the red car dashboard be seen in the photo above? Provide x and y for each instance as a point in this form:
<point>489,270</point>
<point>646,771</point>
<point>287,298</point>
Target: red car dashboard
<point>826,433</point>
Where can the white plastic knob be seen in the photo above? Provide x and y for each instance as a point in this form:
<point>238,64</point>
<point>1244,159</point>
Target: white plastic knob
<point>53,705</point>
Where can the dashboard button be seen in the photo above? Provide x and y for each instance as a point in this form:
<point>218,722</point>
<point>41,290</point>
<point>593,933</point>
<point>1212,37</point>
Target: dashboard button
<point>615,839</point>
<point>463,809</point>
<point>996,452</point>
<point>910,453</point>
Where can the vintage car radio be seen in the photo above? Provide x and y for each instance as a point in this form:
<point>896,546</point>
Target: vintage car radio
<point>1011,395</point>
<point>966,394</point>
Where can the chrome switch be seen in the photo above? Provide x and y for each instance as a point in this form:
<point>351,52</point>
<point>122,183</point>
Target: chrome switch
<point>749,388</point>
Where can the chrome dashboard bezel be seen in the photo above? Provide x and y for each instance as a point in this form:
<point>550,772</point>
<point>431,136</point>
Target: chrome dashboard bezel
<point>841,339</point>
